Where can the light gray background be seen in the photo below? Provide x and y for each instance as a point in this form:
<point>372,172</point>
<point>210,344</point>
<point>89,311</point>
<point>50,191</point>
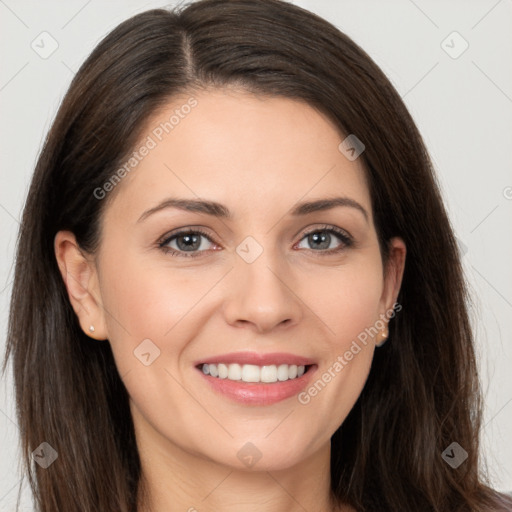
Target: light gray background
<point>463,108</point>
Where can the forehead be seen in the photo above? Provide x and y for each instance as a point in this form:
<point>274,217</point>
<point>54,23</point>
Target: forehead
<point>252,153</point>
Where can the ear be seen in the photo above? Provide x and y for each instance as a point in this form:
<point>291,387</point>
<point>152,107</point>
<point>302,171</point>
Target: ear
<point>81,279</point>
<point>393,274</point>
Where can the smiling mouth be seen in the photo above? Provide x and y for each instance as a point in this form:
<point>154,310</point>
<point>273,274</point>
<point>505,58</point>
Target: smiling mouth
<point>251,373</point>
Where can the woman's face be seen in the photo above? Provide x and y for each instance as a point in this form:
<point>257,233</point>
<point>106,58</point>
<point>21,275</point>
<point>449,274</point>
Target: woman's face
<point>268,278</point>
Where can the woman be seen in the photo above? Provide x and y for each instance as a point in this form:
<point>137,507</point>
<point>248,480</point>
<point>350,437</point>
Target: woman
<point>179,339</point>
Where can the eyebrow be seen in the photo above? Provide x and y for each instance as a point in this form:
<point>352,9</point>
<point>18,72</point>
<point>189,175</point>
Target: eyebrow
<point>219,210</point>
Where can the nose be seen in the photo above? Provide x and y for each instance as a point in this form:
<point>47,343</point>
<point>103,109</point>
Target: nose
<point>262,295</point>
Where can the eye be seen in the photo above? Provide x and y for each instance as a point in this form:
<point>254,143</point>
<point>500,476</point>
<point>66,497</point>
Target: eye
<point>187,241</point>
<point>322,238</point>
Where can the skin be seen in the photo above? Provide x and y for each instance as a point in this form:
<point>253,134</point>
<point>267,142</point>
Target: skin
<point>258,156</point>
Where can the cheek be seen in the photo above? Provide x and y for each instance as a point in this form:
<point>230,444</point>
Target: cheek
<point>349,307</point>
<point>150,321</point>
<point>348,299</point>
<point>143,302</point>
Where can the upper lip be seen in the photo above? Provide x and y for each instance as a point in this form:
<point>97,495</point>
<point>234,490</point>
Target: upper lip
<point>257,359</point>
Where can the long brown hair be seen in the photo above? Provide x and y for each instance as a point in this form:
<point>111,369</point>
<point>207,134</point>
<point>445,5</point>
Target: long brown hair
<point>422,393</point>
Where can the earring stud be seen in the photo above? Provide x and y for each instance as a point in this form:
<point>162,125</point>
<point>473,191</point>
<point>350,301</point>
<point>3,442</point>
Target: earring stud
<point>383,337</point>
<point>91,328</point>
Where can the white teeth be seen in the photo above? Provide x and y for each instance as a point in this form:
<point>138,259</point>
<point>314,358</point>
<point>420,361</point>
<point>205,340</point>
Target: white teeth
<point>222,370</point>
<point>234,372</point>
<point>254,373</point>
<point>282,372</point>
<point>268,373</point>
<point>250,373</point>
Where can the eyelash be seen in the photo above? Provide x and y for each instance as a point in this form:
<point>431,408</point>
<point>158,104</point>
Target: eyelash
<point>346,240</point>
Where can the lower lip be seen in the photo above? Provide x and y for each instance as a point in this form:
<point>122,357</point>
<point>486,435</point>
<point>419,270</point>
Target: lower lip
<point>256,393</point>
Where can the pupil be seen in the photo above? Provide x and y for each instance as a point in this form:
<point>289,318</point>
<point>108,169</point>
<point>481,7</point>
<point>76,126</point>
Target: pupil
<point>316,237</point>
<point>191,242</point>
